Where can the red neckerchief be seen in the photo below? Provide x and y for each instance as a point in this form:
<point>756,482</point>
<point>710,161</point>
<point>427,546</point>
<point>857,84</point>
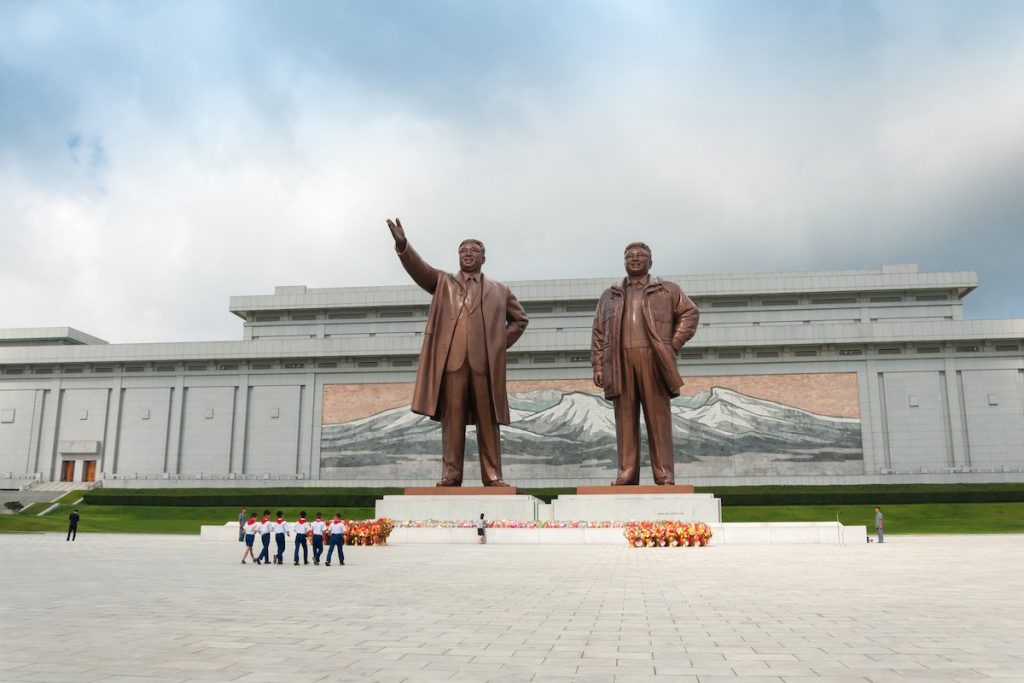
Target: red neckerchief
<point>280,520</point>
<point>302,520</point>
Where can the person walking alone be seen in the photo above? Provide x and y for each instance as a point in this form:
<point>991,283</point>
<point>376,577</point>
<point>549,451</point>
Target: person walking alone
<point>73,525</point>
<point>480,526</point>
<point>880,525</point>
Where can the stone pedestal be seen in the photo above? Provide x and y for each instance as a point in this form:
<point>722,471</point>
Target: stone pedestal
<point>633,490</point>
<point>464,505</point>
<point>626,505</point>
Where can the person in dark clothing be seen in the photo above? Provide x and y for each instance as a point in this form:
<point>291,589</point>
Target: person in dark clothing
<point>73,525</point>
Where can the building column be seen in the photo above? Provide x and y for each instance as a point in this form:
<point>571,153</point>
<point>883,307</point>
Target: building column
<point>239,426</point>
<point>176,414</point>
<point>872,419</point>
<point>955,416</point>
<point>111,429</point>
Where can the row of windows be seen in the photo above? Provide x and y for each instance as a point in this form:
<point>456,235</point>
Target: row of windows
<point>535,308</point>
<point>538,359</point>
<point>204,367</point>
<point>341,315</point>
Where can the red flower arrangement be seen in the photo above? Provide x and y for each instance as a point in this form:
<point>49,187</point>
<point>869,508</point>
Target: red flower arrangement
<point>369,531</point>
<point>670,534</point>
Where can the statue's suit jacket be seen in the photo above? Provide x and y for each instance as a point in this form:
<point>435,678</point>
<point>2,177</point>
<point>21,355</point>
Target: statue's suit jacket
<point>504,321</point>
<point>670,319</point>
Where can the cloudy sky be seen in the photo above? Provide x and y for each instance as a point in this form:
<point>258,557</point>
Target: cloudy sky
<point>157,158</point>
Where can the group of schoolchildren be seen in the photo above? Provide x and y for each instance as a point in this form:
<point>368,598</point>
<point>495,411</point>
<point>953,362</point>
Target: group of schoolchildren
<point>318,530</point>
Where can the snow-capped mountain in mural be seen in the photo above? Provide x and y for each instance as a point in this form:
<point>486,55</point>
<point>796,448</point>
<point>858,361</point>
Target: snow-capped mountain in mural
<point>565,428</point>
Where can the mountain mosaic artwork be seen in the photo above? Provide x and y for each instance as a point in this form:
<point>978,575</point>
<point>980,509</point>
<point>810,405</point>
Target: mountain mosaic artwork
<point>562,431</point>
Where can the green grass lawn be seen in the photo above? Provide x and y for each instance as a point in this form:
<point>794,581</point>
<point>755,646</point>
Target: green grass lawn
<point>932,518</point>
<point>952,518</point>
<point>147,519</point>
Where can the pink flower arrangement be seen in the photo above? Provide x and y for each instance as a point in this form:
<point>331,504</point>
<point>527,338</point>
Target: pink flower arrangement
<point>507,524</point>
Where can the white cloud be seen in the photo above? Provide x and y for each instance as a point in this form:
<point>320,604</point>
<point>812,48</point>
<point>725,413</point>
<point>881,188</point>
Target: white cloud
<point>223,186</point>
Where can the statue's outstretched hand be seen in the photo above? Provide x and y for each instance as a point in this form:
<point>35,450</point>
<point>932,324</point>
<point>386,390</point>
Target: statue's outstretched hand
<point>398,233</point>
<point>598,378</point>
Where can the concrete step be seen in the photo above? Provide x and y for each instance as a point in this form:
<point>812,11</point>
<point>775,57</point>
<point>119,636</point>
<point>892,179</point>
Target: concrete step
<point>64,486</point>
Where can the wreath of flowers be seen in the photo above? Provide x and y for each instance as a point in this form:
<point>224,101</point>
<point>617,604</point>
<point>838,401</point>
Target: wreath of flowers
<point>369,531</point>
<point>669,534</point>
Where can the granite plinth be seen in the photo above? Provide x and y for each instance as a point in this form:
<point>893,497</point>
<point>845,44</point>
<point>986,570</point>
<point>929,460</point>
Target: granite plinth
<point>623,507</point>
<point>454,507</point>
<point>646,488</point>
<point>461,491</point>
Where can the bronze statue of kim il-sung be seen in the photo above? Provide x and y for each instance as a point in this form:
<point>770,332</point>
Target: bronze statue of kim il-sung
<point>639,327</point>
<point>461,376</point>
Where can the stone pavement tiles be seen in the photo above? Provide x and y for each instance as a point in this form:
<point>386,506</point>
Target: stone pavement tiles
<point>157,609</point>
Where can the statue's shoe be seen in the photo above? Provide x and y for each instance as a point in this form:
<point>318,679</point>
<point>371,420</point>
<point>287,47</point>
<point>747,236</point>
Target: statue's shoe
<point>497,482</point>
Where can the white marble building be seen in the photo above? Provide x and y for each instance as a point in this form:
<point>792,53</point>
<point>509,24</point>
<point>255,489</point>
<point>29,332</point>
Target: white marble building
<point>827,377</point>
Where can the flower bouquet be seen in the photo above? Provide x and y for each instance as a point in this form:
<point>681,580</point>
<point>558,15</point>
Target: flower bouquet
<point>369,531</point>
<point>668,534</point>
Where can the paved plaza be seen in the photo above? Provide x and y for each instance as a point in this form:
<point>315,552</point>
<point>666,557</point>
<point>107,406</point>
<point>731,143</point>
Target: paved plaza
<point>144,609</point>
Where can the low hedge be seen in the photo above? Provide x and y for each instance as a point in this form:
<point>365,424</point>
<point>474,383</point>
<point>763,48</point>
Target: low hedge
<point>873,499</point>
<point>249,498</point>
<point>868,495</point>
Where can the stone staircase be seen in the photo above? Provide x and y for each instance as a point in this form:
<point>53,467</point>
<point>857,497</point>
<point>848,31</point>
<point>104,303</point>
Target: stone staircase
<point>64,486</point>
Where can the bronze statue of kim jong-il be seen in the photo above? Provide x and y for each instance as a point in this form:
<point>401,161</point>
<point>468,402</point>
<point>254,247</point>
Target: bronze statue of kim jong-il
<point>639,326</point>
<point>461,377</point>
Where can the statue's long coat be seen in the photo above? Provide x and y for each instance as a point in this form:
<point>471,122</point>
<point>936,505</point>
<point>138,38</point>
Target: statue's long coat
<point>504,322</point>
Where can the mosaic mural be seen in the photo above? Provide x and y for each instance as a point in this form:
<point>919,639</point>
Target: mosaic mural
<point>565,430</point>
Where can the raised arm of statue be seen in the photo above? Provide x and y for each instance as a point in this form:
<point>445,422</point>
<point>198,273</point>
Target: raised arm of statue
<point>422,273</point>
<point>398,233</point>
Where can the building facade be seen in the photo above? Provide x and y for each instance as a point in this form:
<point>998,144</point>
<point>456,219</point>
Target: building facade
<point>828,377</point>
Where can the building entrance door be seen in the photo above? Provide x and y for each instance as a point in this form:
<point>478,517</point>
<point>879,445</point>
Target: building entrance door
<point>89,473</point>
<point>67,470</point>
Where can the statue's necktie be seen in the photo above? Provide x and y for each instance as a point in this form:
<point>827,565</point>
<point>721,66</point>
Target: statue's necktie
<point>472,293</point>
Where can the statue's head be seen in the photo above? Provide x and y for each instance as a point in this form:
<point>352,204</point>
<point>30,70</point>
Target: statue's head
<point>637,259</point>
<point>472,255</point>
